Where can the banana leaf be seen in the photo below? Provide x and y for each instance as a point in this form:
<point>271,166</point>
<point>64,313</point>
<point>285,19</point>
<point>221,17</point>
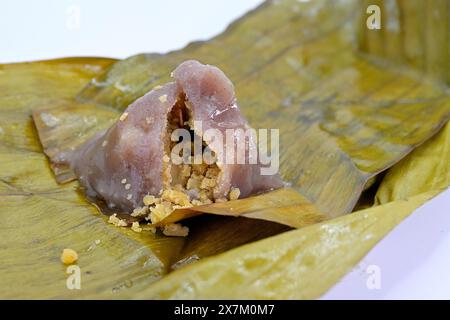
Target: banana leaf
<point>404,39</point>
<point>40,218</point>
<point>299,264</point>
<point>427,167</point>
<point>343,120</point>
<point>284,206</point>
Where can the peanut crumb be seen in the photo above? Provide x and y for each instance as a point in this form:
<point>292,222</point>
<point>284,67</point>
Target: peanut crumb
<point>135,227</point>
<point>123,181</point>
<point>129,196</point>
<point>105,143</point>
<point>204,195</point>
<point>69,256</point>
<point>175,230</point>
<point>140,212</point>
<point>160,211</point>
<point>117,221</point>
<point>127,186</point>
<point>234,194</point>
<point>166,158</point>
<point>149,200</point>
<point>186,172</point>
<point>176,197</point>
<point>123,116</point>
<point>208,183</point>
<point>194,182</point>
<point>196,202</point>
<point>163,98</point>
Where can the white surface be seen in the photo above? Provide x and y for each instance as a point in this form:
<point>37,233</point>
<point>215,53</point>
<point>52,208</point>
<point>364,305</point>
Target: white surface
<point>31,30</point>
<point>414,260</point>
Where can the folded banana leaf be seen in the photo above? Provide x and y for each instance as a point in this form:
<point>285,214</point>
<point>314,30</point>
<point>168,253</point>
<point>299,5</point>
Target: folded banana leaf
<point>342,121</point>
<point>426,168</point>
<point>283,206</point>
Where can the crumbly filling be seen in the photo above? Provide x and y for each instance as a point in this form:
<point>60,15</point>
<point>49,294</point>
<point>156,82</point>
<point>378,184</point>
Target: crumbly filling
<point>113,219</point>
<point>196,181</point>
<point>69,256</point>
<point>234,194</point>
<point>184,185</point>
<point>136,227</point>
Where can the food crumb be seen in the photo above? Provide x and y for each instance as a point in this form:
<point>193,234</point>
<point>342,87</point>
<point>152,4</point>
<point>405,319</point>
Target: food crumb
<point>127,186</point>
<point>175,230</point>
<point>176,197</point>
<point>69,256</point>
<point>207,183</point>
<point>163,98</point>
<point>123,181</point>
<point>97,241</point>
<point>123,116</point>
<point>140,212</point>
<point>234,194</point>
<point>105,143</point>
<point>149,200</point>
<point>135,227</point>
<point>197,202</point>
<point>160,211</point>
<point>117,221</point>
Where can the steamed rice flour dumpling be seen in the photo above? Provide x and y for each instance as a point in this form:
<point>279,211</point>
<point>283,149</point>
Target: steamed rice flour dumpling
<point>166,150</point>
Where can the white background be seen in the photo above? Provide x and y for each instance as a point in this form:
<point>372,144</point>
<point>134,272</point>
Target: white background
<point>414,260</point>
<point>44,29</point>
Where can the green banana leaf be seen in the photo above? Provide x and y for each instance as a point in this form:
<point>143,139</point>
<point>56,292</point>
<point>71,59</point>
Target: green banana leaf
<point>284,206</point>
<point>40,218</point>
<point>426,168</point>
<point>404,39</point>
<point>343,120</point>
